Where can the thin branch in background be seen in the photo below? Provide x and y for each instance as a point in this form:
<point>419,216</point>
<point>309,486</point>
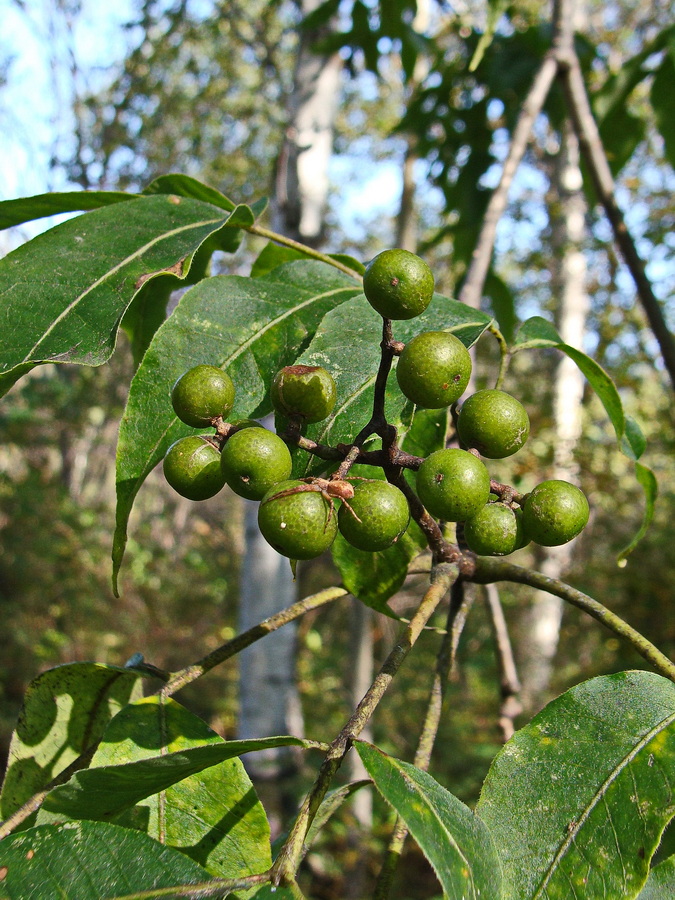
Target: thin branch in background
<point>472,289</point>
<point>509,681</point>
<point>487,570</point>
<point>443,576</point>
<point>458,612</point>
<point>180,679</point>
<point>594,155</point>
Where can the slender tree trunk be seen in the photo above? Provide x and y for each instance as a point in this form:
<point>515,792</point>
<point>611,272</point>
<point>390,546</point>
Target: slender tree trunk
<point>269,701</point>
<point>545,614</point>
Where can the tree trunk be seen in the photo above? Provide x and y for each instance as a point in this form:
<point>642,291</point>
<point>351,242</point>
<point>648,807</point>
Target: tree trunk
<point>269,701</point>
<point>545,614</point>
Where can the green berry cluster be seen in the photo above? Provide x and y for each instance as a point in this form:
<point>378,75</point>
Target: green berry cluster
<point>301,517</point>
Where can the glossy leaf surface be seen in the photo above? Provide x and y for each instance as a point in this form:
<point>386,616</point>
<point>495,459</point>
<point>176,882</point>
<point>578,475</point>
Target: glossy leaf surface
<point>65,711</point>
<point>577,800</point>
<point>65,291</point>
<point>89,861</point>
<point>454,840</point>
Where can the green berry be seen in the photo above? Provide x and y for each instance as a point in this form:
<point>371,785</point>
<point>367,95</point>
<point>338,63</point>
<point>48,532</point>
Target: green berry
<point>554,513</point>
<point>383,513</point>
<point>298,522</point>
<point>201,395</point>
<point>434,369</point>
<point>453,484</point>
<point>192,468</point>
<point>254,460</point>
<point>494,530</point>
<point>398,284</point>
<point>307,391</point>
<point>494,423</point>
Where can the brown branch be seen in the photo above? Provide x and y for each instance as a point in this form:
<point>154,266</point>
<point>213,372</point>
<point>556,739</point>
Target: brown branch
<point>283,871</point>
<point>594,155</point>
<point>472,289</point>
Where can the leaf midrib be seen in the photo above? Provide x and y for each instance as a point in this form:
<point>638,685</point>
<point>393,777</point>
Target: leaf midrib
<point>597,797</point>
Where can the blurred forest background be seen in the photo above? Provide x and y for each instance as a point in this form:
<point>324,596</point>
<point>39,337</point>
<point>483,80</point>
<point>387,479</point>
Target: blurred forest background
<point>207,88</point>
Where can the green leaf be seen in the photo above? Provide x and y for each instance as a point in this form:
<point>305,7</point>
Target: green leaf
<point>89,861</point>
<point>538,333</point>
<point>64,712</point>
<point>578,799</point>
<point>496,9</point>
<point>373,578</point>
<point>503,304</point>
<point>251,327</point>
<point>621,132</point>
<point>27,209</point>
<point>451,836</point>
<point>660,884</point>
<point>662,100</point>
<point>161,769</point>
<point>347,343</point>
<point>67,289</point>
<point>185,186</point>
<point>273,255</point>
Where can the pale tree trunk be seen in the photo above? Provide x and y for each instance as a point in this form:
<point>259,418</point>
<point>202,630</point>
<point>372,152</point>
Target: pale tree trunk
<point>543,620</point>
<point>269,701</point>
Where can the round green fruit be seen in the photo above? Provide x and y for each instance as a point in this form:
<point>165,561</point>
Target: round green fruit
<point>307,391</point>
<point>254,460</point>
<point>398,284</point>
<point>376,517</point>
<point>554,513</point>
<point>453,484</point>
<point>494,423</point>
<point>434,369</point>
<point>192,468</point>
<point>201,395</point>
<point>494,530</point>
<point>298,521</point>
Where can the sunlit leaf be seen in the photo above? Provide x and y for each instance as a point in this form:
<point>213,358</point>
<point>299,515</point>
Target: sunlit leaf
<point>578,799</point>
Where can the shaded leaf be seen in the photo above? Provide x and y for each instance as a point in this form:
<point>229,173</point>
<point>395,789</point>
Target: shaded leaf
<point>65,710</point>
<point>89,861</point>
<point>67,289</point>
<point>161,769</point>
<point>185,186</point>
<point>578,799</point>
<point>660,884</point>
<point>496,9</point>
<point>251,327</point>
<point>27,209</point>
<point>662,100</point>
<point>454,840</point>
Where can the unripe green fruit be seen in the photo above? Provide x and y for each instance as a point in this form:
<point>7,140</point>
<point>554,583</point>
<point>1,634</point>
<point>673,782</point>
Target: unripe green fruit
<point>254,460</point>
<point>494,530</point>
<point>201,395</point>
<point>300,524</point>
<point>434,369</point>
<point>453,484</point>
<point>383,511</point>
<point>494,423</point>
<point>554,513</point>
<point>307,391</point>
<point>398,284</point>
<point>192,468</point>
